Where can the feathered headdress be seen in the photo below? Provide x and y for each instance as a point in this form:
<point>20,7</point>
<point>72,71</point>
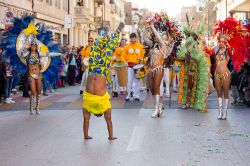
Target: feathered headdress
<point>229,28</point>
<point>167,27</point>
<point>164,24</point>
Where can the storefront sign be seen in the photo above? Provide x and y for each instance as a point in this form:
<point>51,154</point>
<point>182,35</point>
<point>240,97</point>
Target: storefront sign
<point>10,14</point>
<point>9,19</point>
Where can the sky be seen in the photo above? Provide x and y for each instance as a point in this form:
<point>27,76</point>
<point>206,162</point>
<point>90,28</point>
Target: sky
<point>171,6</point>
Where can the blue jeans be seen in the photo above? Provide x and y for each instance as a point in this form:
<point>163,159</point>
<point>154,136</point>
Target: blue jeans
<point>45,85</point>
<point>7,84</point>
<point>1,86</point>
<point>16,81</point>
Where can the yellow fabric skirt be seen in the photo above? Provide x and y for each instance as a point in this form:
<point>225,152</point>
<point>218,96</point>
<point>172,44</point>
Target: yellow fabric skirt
<point>96,104</point>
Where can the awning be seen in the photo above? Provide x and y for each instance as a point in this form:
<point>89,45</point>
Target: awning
<point>239,6</point>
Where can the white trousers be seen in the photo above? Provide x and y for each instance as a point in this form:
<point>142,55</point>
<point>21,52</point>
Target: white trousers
<point>115,84</point>
<point>84,80</point>
<point>175,85</point>
<point>133,81</point>
<point>167,82</point>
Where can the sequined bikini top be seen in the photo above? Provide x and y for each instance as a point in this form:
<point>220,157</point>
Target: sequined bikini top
<point>222,55</point>
<point>33,59</point>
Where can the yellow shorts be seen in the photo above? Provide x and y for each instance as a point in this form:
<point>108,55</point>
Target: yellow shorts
<point>96,104</point>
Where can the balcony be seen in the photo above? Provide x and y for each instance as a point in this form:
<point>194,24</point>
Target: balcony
<point>81,14</point>
<point>81,11</point>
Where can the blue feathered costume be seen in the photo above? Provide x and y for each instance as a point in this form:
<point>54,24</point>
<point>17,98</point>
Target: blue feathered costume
<point>9,45</point>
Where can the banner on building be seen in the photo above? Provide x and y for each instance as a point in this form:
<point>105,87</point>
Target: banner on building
<point>68,21</point>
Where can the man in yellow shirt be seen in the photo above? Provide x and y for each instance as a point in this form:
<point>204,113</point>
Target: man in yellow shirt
<point>85,55</point>
<point>133,54</point>
<point>117,58</point>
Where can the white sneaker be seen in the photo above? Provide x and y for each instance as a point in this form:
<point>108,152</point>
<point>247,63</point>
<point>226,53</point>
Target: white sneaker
<point>12,101</point>
<point>14,91</point>
<point>127,99</point>
<point>7,101</point>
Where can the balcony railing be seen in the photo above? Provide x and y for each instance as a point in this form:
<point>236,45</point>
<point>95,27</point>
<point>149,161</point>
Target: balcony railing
<point>81,11</point>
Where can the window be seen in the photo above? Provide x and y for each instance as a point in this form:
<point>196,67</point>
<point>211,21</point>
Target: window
<point>57,4</point>
<point>49,2</point>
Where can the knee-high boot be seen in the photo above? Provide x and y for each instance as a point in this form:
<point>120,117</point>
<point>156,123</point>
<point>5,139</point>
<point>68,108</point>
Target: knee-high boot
<point>224,117</point>
<point>38,104</point>
<point>157,110</point>
<point>220,108</point>
<point>161,108</point>
<point>32,99</point>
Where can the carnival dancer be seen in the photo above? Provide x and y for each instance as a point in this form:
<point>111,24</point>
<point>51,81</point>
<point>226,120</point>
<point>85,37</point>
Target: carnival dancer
<point>160,49</point>
<point>231,40</point>
<point>133,54</point>
<point>117,59</point>
<point>85,56</point>
<point>194,79</point>
<point>28,53</point>
<point>96,97</point>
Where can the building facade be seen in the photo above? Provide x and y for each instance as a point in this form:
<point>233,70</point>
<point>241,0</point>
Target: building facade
<point>83,13</point>
<point>88,17</point>
<point>117,13</point>
<point>52,14</point>
<point>10,9</point>
<point>193,14</point>
<point>239,9</point>
<point>49,12</point>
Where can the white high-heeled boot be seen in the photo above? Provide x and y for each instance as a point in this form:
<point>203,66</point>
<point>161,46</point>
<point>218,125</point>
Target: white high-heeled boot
<point>38,104</point>
<point>32,99</point>
<point>224,116</point>
<point>161,108</point>
<point>220,108</point>
<point>157,110</point>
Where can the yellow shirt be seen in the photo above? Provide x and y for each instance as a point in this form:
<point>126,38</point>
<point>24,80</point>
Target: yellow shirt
<point>132,53</point>
<point>85,52</point>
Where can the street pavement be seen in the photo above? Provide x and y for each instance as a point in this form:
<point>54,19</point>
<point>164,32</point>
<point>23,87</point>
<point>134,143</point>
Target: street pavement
<point>178,138</point>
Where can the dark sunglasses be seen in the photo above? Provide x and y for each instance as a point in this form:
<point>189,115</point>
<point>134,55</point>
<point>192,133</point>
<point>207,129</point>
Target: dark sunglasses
<point>90,41</point>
